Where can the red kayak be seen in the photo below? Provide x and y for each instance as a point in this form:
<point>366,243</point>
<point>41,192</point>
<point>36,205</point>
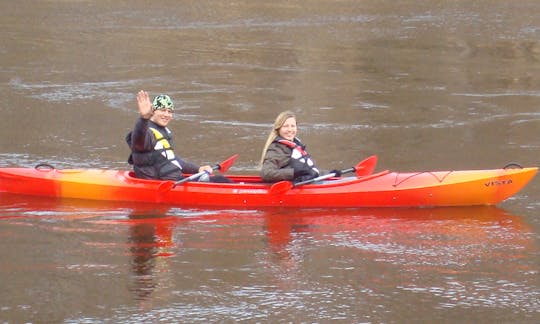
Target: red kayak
<point>365,189</point>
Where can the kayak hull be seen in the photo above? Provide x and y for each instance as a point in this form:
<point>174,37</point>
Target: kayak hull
<point>382,189</point>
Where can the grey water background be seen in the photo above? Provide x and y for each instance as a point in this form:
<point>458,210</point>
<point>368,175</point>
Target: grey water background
<point>425,85</point>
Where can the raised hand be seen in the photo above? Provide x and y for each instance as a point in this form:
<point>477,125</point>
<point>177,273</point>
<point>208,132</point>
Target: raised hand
<point>144,104</point>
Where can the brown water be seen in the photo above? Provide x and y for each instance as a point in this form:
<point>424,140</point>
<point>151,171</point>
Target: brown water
<point>425,85</point>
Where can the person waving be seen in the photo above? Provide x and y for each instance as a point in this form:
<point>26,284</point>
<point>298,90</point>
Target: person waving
<point>151,142</point>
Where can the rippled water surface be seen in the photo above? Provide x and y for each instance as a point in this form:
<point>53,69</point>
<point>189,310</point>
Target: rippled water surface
<point>424,85</point>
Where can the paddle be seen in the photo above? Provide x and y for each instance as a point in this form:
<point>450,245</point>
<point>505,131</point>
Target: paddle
<point>223,167</point>
<point>363,168</point>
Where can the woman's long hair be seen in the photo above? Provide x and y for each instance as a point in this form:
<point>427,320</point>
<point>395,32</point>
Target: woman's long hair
<point>280,120</point>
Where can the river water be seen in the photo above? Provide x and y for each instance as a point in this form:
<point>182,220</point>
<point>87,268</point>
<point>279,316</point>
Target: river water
<point>425,85</point>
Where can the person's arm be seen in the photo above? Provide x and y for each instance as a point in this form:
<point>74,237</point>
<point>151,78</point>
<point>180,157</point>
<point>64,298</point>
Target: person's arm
<point>188,167</point>
<point>275,164</point>
<point>141,141</point>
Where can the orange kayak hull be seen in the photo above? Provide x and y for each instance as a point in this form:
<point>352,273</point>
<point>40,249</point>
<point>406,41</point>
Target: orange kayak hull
<point>383,189</point>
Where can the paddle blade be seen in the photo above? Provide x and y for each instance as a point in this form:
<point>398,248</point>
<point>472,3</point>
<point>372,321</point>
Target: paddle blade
<point>225,165</point>
<point>366,167</point>
<point>280,187</point>
<point>165,186</point>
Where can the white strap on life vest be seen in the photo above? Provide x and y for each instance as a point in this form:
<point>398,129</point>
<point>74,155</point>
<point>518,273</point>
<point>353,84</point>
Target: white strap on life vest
<point>163,145</point>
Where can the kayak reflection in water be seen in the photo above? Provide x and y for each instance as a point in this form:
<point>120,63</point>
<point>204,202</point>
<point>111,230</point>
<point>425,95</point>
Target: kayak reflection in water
<point>151,143</point>
<point>150,244</point>
<point>284,156</point>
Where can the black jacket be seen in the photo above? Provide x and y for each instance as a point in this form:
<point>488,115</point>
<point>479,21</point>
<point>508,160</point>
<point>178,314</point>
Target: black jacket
<point>152,153</point>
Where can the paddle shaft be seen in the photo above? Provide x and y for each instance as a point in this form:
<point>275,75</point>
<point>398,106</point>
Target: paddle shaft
<point>194,176</point>
<point>363,168</point>
<point>223,166</point>
<point>323,177</point>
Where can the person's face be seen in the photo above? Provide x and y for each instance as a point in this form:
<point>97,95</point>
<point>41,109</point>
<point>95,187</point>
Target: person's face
<point>162,117</point>
<point>288,129</point>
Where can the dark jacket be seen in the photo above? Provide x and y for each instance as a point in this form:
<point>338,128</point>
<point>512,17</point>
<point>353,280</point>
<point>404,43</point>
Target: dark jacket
<point>153,160</point>
<point>278,164</point>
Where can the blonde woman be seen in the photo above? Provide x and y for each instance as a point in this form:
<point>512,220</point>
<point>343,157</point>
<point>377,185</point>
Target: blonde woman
<point>284,156</point>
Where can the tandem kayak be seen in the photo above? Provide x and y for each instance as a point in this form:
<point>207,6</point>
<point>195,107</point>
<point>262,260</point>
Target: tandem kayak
<point>379,189</point>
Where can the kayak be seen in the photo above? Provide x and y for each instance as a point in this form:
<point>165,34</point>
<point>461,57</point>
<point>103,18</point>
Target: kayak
<point>378,189</point>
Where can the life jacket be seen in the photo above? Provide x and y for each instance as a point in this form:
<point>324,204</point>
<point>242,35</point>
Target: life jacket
<point>164,147</point>
<point>300,159</point>
<point>159,162</point>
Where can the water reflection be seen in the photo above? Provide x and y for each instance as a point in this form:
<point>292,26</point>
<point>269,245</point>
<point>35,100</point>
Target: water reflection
<point>428,241</point>
<point>151,241</point>
<point>454,255</point>
<point>144,232</point>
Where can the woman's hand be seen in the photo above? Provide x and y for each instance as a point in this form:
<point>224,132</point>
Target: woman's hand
<point>304,174</point>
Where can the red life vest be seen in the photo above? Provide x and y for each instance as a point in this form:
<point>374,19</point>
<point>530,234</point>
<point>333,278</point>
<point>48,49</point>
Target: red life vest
<point>299,157</point>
